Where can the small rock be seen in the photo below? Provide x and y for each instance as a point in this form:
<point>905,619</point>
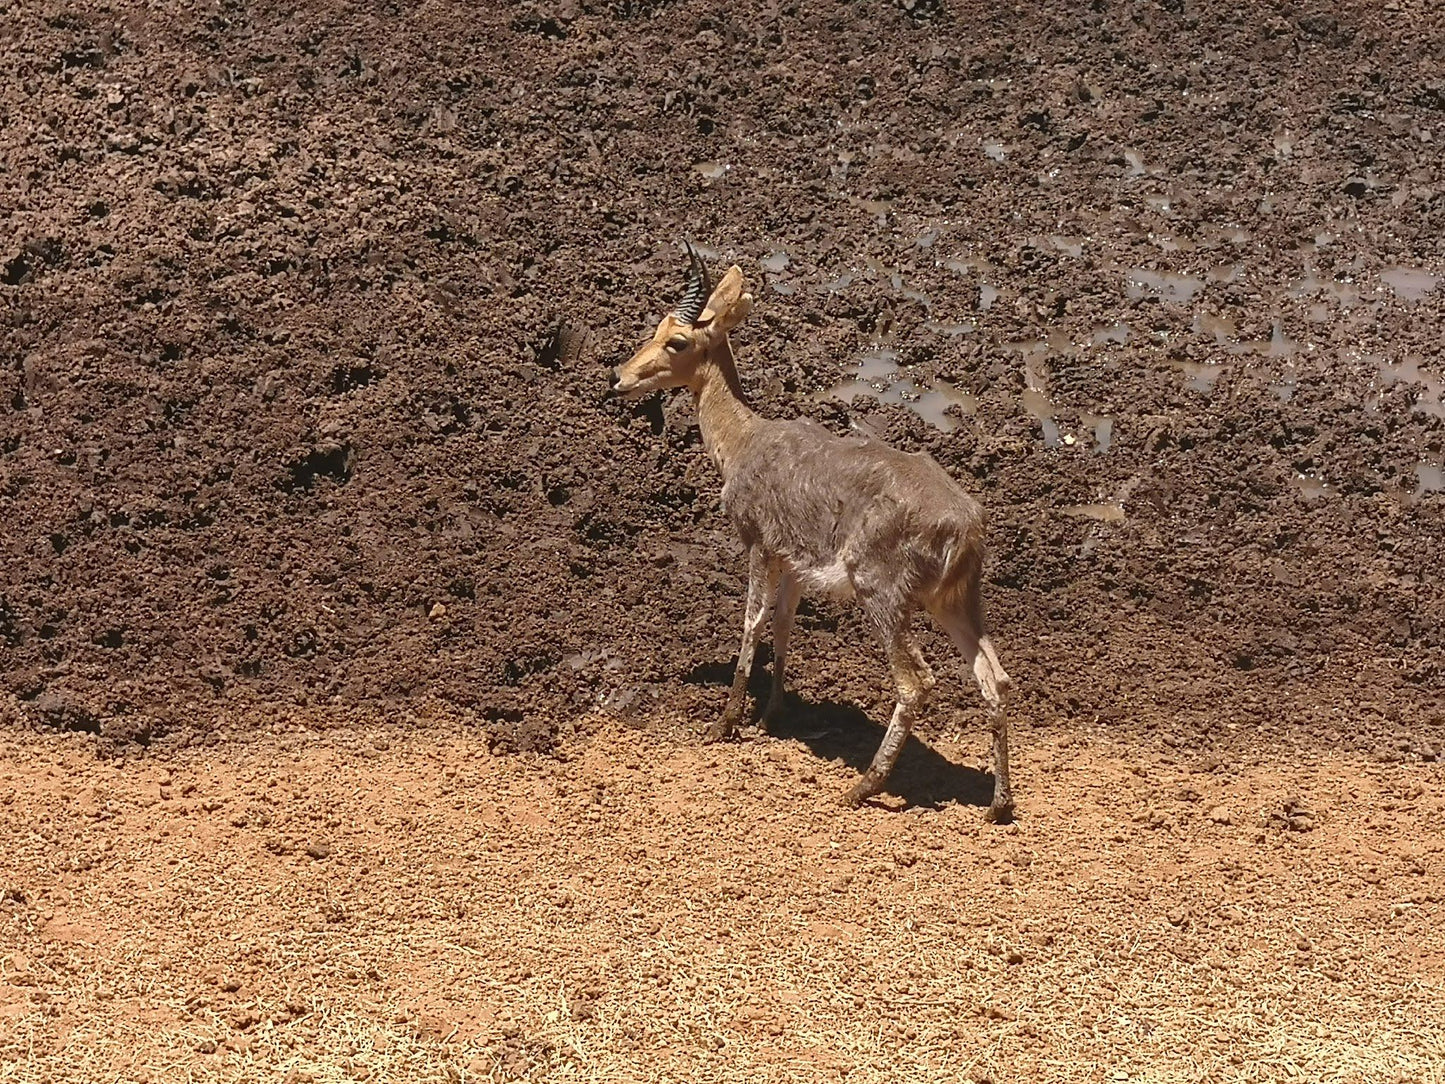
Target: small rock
<point>318,849</point>
<point>1015,957</point>
<point>206,1046</point>
<point>438,611</point>
<point>1175,917</point>
<point>1220,815</point>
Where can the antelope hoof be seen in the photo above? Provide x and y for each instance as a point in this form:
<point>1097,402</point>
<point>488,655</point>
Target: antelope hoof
<point>859,792</point>
<point>770,715</point>
<point>720,730</point>
<point>1000,812</point>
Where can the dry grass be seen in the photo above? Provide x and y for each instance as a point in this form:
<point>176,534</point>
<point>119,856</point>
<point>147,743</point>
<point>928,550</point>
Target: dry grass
<point>648,912</point>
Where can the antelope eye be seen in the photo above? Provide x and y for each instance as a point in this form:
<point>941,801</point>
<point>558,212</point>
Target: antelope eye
<point>678,343</point>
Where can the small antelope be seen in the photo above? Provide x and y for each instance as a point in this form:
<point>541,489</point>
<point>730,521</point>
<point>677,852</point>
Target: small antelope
<point>846,517</point>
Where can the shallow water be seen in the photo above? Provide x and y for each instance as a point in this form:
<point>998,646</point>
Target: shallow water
<point>1300,305</point>
<point>1431,399</point>
<point>1288,385</point>
<point>1068,246</point>
<point>1102,513</point>
<point>1410,283</point>
<point>952,331</point>
<point>1344,291</point>
<point>1279,345</point>
<point>1201,378</point>
<point>876,365</point>
<point>1038,404</point>
<point>775,262</point>
<point>1117,333</point>
<point>1166,284</point>
<point>1312,488</point>
<point>931,403</point>
<point>835,285</point>
<point>1221,327</point>
<point>1102,426</point>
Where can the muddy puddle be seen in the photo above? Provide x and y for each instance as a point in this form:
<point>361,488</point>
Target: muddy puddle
<point>875,374</point>
<point>1410,283</point>
<point>1109,512</point>
<point>1266,350</point>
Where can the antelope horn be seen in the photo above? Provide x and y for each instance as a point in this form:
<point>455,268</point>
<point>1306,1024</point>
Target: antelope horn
<point>699,287</point>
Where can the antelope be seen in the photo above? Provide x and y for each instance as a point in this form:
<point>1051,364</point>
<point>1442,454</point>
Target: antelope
<point>847,517</point>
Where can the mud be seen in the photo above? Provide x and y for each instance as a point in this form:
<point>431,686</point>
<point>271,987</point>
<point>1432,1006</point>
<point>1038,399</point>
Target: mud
<point>287,423</point>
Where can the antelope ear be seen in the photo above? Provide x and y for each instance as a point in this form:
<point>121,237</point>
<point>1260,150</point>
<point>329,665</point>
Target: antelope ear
<point>729,304</point>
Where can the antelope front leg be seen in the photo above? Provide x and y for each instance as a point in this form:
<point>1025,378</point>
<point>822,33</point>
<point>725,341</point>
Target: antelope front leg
<point>787,605</point>
<point>762,582</point>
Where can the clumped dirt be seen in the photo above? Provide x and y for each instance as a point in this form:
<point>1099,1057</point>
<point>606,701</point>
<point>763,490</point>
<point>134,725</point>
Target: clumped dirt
<point>402,905</point>
<point>286,420</point>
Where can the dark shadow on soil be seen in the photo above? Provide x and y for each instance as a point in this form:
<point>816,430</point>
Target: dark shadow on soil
<point>836,731</point>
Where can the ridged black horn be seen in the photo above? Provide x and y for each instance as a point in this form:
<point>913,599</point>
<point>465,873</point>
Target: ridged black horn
<point>699,287</point>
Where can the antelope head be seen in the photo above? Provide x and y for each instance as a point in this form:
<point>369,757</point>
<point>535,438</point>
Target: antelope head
<point>685,336</point>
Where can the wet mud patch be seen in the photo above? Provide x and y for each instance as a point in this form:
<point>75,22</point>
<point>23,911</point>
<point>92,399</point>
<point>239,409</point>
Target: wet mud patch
<point>302,356</point>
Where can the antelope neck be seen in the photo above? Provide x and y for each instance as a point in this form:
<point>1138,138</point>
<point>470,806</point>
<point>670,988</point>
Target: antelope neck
<point>723,413</point>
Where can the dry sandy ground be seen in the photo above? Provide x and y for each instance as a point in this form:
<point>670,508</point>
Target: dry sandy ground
<point>387,905</point>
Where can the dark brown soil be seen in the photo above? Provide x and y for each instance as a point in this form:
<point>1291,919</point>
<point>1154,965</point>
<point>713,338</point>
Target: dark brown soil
<point>285,423</point>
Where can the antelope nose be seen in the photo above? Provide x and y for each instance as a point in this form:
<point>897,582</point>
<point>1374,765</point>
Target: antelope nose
<point>612,379</point>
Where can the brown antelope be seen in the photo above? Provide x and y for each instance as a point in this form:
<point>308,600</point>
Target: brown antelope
<point>841,516</point>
